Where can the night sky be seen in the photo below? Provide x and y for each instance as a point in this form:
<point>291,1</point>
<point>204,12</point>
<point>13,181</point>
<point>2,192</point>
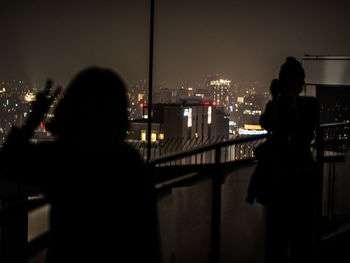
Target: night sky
<point>244,40</point>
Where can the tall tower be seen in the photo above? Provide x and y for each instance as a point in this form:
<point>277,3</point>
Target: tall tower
<point>219,90</point>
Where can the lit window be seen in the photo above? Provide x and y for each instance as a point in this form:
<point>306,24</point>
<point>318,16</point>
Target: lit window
<point>189,118</point>
<point>153,137</point>
<point>161,136</point>
<point>143,135</point>
<point>209,114</point>
<point>185,112</point>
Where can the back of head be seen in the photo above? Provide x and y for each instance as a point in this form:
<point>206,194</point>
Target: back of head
<point>291,76</point>
<point>94,109</point>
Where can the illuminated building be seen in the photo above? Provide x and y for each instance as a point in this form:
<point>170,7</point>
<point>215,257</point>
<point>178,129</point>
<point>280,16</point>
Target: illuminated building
<point>204,121</point>
<point>29,97</point>
<point>197,121</point>
<point>328,79</point>
<point>202,93</point>
<point>251,129</point>
<point>182,94</point>
<point>137,93</point>
<point>219,90</point>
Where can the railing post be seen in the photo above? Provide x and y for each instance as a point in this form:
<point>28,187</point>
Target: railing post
<point>319,197</point>
<point>150,81</point>
<point>319,147</point>
<point>216,209</point>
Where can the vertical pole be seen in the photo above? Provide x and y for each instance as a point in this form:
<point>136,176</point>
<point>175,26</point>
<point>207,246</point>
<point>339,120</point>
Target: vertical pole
<point>331,192</point>
<point>319,197</point>
<point>150,81</point>
<point>216,209</point>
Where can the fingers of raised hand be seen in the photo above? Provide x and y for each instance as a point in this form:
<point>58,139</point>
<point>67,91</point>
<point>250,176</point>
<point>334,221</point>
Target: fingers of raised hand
<point>47,94</point>
<point>46,97</point>
<point>57,91</point>
<point>48,86</point>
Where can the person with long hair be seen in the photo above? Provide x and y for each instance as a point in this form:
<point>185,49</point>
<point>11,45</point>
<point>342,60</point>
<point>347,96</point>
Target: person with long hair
<point>103,206</point>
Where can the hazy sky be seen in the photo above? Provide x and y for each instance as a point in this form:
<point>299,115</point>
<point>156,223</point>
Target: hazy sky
<point>245,40</point>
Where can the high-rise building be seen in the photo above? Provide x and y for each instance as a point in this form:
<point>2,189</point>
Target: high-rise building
<point>200,121</point>
<point>219,90</point>
<point>328,79</point>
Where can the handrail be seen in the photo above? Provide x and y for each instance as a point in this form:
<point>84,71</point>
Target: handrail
<point>195,175</point>
<point>331,125</point>
<point>206,148</point>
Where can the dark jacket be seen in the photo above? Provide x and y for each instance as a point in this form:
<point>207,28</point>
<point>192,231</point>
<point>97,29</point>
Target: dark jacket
<point>103,205</point>
<point>285,163</point>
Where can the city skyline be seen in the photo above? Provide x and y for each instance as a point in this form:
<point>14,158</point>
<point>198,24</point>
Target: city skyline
<point>240,40</point>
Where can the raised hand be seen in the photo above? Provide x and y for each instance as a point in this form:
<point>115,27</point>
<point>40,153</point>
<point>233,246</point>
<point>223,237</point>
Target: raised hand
<point>41,106</point>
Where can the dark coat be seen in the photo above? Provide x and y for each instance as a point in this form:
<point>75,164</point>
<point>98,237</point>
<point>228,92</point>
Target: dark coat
<point>103,206</point>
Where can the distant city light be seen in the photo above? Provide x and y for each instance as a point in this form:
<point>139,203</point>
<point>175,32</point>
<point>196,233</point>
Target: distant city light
<point>240,99</point>
<point>153,137</point>
<point>189,119</point>
<point>252,127</point>
<point>242,131</point>
<point>209,115</point>
<point>208,103</point>
<point>232,123</point>
<point>143,135</point>
<point>185,112</point>
<point>29,97</point>
<point>220,82</point>
<point>252,112</point>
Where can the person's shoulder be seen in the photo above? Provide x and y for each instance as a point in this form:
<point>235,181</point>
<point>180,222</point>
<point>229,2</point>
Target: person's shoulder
<point>128,154</point>
<point>128,149</point>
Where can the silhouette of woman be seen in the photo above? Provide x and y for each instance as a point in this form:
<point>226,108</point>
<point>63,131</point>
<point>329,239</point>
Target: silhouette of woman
<point>292,174</point>
<point>103,206</point>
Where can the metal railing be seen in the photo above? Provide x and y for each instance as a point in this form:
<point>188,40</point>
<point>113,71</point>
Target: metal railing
<point>332,151</point>
<point>212,157</point>
<point>224,151</point>
<point>333,140</point>
<point>170,145</point>
<point>203,162</point>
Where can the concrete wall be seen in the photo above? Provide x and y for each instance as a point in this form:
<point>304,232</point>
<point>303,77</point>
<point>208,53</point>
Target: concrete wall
<point>185,215</point>
<point>336,194</point>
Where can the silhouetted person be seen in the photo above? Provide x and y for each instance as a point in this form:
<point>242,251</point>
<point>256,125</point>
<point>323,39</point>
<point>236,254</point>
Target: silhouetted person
<point>287,167</point>
<point>103,208</point>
